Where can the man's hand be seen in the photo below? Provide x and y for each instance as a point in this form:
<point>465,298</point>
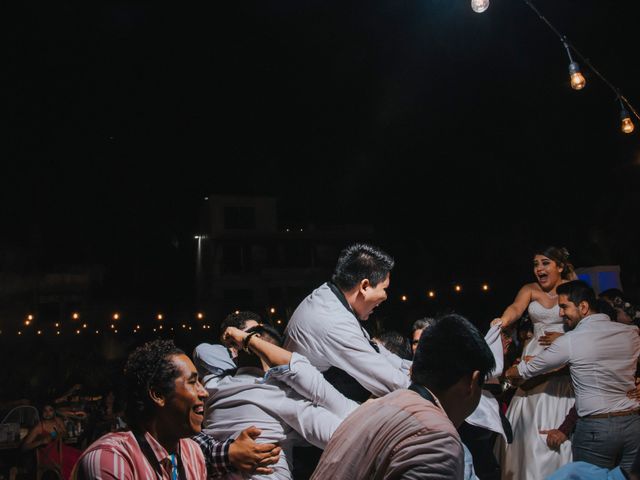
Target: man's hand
<point>555,438</point>
<point>548,338</point>
<point>634,393</point>
<point>233,337</point>
<point>251,457</point>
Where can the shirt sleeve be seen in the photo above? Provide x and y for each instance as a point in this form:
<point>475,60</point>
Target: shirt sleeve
<point>349,350</point>
<point>305,379</point>
<point>216,454</point>
<point>555,356</point>
<point>314,423</point>
<point>434,455</point>
<point>102,463</point>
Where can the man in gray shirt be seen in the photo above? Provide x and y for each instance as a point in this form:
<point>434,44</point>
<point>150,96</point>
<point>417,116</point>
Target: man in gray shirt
<point>602,356</point>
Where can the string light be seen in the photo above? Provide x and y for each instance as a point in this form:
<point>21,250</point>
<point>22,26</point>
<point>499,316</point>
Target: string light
<point>29,317</point>
<point>458,288</point>
<point>575,75</point>
<point>431,294</point>
<point>403,298</point>
<point>200,316</point>
<point>485,287</point>
<point>159,316</point>
<point>116,316</point>
<point>627,125</point>
<point>479,6</point>
<point>272,310</point>
<point>577,79</point>
<point>75,316</point>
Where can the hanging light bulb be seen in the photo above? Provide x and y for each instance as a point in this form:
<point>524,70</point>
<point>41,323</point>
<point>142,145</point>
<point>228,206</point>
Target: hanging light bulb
<point>627,125</point>
<point>577,79</point>
<point>479,6</point>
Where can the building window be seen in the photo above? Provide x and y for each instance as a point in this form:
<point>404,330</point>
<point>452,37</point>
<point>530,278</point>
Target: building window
<point>239,218</point>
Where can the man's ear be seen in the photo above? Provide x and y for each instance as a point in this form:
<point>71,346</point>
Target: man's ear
<point>156,397</point>
<point>475,382</point>
<point>364,284</point>
<point>583,307</point>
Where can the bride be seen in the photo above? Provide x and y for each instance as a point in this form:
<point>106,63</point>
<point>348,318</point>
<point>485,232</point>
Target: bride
<point>541,404</point>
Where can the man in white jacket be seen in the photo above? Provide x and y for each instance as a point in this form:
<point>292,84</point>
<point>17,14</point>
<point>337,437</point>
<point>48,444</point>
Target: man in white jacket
<point>325,329</point>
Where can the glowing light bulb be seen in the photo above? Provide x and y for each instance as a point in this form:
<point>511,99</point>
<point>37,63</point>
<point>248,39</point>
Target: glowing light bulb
<point>627,124</point>
<point>485,287</point>
<point>431,294</point>
<point>116,316</point>
<point>403,298</point>
<point>479,6</point>
<point>577,79</point>
<point>458,288</point>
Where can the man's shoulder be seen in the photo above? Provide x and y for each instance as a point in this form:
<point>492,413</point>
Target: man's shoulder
<point>318,310</point>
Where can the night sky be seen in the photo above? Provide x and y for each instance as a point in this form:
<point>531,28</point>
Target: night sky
<point>455,134</point>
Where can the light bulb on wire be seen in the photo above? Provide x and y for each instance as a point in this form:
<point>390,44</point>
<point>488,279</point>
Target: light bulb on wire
<point>479,6</point>
<point>627,125</point>
<point>577,79</point>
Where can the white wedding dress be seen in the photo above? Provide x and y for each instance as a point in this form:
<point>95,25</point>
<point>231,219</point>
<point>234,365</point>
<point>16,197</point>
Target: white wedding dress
<point>543,407</point>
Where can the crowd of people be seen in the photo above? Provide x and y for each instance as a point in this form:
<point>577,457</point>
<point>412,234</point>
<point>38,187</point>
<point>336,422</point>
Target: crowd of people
<point>549,391</point>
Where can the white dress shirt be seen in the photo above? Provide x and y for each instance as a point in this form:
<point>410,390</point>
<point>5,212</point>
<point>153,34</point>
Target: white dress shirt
<point>284,416</point>
<point>602,357</point>
<point>328,334</point>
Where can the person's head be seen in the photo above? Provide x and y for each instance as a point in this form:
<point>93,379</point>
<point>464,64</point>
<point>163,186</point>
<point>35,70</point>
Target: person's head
<point>396,343</point>
<point>162,387</point>
<point>625,311</point>
<point>453,360</point>
<point>416,330</point>
<point>551,265</point>
<point>48,412</point>
<point>605,307</point>
<point>241,320</point>
<point>363,271</point>
<point>576,300</point>
<point>267,333</point>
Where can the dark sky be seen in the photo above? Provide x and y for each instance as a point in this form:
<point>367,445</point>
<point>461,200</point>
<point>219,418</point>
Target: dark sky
<point>455,134</point>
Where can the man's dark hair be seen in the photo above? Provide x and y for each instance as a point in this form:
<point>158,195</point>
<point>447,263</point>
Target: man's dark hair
<point>578,291</point>
<point>149,366</point>
<point>239,320</point>
<point>448,350</point>
<point>605,307</point>
<point>360,261</point>
<point>268,333</point>
<point>396,343</point>
<point>421,324</point>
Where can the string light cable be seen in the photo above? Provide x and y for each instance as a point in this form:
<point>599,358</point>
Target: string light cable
<point>577,79</point>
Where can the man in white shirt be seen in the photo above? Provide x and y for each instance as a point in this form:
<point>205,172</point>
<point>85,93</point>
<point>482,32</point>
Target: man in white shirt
<point>602,357</point>
<point>325,329</point>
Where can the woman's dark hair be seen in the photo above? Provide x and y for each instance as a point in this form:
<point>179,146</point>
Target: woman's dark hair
<point>149,366</point>
<point>360,261</point>
<point>239,319</point>
<point>451,348</point>
<point>560,255</point>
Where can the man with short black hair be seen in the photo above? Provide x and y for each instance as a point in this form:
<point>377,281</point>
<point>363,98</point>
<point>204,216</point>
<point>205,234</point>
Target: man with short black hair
<point>325,329</point>
<point>411,433</point>
<point>165,406</point>
<point>602,358</point>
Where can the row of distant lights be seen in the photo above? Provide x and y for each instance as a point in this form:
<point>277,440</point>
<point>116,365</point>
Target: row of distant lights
<point>116,316</point>
<point>456,288</point>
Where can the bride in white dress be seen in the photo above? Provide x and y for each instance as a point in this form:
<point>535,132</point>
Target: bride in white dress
<point>544,405</point>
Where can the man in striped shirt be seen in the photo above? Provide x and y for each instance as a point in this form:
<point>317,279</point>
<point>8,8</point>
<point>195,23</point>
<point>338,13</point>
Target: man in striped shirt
<point>165,406</point>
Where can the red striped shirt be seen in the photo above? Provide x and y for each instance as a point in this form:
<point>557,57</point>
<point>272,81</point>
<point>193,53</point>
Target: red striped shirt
<point>118,456</point>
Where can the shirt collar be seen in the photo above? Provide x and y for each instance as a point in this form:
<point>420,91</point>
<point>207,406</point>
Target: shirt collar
<point>594,317</point>
<point>158,450</point>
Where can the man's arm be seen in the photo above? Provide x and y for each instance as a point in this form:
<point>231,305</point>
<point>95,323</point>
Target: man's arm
<point>243,453</point>
<point>102,463</point>
<point>555,356</point>
<point>349,350</point>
